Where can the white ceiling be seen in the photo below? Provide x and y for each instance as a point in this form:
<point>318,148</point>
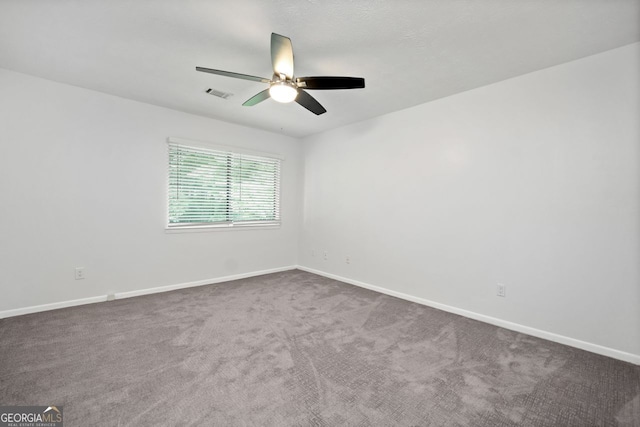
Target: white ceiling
<point>409,52</point>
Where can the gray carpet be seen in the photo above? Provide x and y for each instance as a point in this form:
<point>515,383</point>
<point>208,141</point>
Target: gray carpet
<point>294,348</point>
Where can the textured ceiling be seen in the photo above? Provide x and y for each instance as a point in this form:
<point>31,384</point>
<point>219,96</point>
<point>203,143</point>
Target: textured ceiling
<point>409,52</point>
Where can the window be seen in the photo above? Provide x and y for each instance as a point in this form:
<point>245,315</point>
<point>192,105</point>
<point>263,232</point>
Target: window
<point>215,188</point>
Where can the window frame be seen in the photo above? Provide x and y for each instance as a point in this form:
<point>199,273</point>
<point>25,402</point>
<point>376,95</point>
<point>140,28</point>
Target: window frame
<point>221,226</point>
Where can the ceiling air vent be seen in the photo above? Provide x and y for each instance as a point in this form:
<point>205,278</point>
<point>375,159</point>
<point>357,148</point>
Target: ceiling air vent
<point>219,93</point>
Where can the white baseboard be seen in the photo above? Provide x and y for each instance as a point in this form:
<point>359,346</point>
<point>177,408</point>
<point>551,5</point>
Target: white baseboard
<point>52,306</point>
<point>572,342</point>
<point>119,295</point>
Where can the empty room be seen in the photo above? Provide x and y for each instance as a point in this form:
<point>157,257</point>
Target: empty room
<point>320,213</point>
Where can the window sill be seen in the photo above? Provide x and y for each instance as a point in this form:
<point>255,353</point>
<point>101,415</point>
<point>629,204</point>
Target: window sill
<point>224,227</point>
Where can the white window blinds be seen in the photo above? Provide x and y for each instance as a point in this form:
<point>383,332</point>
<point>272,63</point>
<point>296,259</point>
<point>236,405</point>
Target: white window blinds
<point>219,188</point>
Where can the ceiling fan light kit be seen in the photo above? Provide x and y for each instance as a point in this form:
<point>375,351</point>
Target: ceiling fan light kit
<point>284,87</point>
<point>283,91</point>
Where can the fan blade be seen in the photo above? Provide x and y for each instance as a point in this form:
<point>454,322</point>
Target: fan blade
<point>326,83</point>
<point>255,99</point>
<point>309,102</point>
<point>282,55</point>
<point>234,75</point>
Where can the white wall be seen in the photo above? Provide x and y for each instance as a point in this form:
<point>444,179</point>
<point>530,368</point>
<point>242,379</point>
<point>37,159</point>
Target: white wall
<point>83,181</point>
<point>532,182</point>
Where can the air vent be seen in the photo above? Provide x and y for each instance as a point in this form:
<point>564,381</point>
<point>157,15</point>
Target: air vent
<point>219,93</point>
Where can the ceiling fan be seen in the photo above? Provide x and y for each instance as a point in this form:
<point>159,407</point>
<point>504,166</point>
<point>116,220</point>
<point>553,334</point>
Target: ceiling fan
<point>283,86</point>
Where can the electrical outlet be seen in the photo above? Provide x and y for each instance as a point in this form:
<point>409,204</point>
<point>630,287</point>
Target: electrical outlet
<point>79,273</point>
<point>347,259</point>
<point>325,255</point>
<point>501,290</point>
